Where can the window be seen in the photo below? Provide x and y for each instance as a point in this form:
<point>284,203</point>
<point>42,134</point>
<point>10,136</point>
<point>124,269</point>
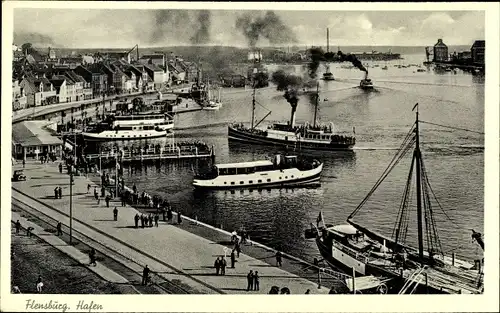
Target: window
<point>242,182</point>
<point>232,183</point>
<point>286,177</point>
<point>280,177</point>
<point>292,176</point>
<point>250,181</point>
<point>269,180</point>
<point>259,181</point>
<point>225,183</point>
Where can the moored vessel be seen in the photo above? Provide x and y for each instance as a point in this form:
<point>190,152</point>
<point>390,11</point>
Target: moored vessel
<point>353,247</point>
<point>129,127</point>
<point>282,171</point>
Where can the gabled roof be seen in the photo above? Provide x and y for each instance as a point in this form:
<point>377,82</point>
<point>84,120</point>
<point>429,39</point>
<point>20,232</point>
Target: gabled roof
<point>153,67</point>
<point>75,77</point>
<point>172,67</point>
<point>58,80</point>
<point>152,56</point>
<point>479,44</point>
<point>71,60</point>
<point>33,133</point>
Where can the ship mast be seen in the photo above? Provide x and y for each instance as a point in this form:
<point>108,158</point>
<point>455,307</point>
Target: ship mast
<point>253,105</point>
<point>316,105</point>
<point>417,156</point>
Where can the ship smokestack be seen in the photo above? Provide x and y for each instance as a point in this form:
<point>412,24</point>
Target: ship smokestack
<point>291,97</point>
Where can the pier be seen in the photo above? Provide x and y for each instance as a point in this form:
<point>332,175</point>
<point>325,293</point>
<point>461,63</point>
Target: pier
<point>152,153</point>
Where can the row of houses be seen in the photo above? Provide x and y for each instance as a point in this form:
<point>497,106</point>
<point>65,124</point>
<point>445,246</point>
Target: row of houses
<point>41,80</point>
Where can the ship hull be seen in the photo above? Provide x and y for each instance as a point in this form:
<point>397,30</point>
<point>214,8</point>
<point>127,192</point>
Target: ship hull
<point>110,135</point>
<point>254,139</point>
<point>273,179</point>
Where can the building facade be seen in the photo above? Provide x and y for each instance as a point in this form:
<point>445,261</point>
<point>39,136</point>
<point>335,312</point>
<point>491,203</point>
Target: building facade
<point>19,100</point>
<point>477,52</point>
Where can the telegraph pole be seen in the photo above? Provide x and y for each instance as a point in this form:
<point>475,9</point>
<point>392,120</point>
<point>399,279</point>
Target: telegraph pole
<point>71,205</point>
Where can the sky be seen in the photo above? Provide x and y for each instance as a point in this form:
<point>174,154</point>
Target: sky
<point>119,28</point>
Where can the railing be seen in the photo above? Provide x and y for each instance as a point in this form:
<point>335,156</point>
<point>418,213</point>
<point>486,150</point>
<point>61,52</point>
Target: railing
<point>358,256</point>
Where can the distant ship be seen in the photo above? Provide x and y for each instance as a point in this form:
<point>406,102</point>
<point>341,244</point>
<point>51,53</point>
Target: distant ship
<point>377,56</point>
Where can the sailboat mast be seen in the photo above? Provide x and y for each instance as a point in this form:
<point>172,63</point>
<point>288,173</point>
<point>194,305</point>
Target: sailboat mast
<point>253,105</point>
<point>316,105</point>
<point>417,156</point>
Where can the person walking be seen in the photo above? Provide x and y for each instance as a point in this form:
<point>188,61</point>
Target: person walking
<point>92,257</point>
<point>96,194</point>
<point>278,259</point>
<point>18,226</point>
<point>60,168</point>
<point>179,218</point>
<point>115,214</point>
<point>223,265</point>
<point>39,284</point>
<point>308,291</point>
<point>88,188</point>
<point>256,281</point>
<point>150,220</point>
<point>136,220</point>
<point>169,215</point>
<point>217,266</point>
<point>237,248</point>
<point>56,193</point>
<point>107,199</point>
<point>142,220</point>
<point>233,258</point>
<point>60,193</point>
<point>157,217</point>
<point>250,280</point>
<point>59,229</point>
<point>145,275</point>
<point>29,231</point>
<point>24,163</point>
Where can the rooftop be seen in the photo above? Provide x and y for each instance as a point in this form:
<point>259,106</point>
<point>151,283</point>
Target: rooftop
<point>245,164</point>
<point>34,133</point>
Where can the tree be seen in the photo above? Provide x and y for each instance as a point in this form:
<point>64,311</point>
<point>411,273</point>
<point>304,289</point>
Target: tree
<point>27,48</point>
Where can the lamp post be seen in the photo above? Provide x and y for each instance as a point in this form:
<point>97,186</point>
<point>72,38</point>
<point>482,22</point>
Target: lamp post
<point>71,206</point>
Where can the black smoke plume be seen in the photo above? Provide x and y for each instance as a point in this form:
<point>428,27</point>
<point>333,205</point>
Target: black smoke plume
<point>317,56</point>
<point>352,58</point>
<point>289,83</point>
<point>202,35</point>
<point>285,81</point>
<point>268,26</point>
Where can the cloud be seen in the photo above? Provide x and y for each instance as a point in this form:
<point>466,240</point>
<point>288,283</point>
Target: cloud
<point>95,28</point>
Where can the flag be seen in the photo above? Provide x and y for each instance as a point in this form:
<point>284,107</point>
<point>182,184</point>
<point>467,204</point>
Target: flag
<point>416,105</point>
<point>319,218</point>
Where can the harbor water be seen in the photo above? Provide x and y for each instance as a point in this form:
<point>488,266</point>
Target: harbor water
<point>454,159</point>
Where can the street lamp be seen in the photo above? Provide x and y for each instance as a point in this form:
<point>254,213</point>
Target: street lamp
<point>71,205</point>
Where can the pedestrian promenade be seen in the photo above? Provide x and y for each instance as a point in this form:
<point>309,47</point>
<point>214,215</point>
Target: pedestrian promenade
<point>169,251</point>
<point>53,240</point>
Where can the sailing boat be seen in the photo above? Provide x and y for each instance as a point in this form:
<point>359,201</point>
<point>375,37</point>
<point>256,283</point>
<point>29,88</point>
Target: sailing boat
<point>355,248</point>
<point>291,135</point>
<point>212,102</point>
<point>328,75</point>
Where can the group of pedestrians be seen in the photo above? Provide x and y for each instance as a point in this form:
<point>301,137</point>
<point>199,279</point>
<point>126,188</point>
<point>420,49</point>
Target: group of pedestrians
<point>220,265</point>
<point>253,281</point>
<point>146,220</point>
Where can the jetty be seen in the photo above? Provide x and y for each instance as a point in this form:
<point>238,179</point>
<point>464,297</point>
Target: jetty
<point>176,151</point>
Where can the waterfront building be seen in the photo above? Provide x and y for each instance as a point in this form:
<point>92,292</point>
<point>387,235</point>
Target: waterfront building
<point>177,74</point>
<point>114,56</point>
<point>440,51</point>
<point>72,62</point>
<point>191,70</point>
<point>98,79</point>
<point>156,74</point>
<point>144,83</point>
<point>32,138</point>
<point>62,86</point>
<point>39,91</point>
<point>81,92</point>
<point>19,100</point>
<point>477,52</point>
<point>155,59</point>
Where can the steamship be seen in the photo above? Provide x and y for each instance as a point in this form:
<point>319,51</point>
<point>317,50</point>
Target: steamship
<point>129,127</point>
<point>290,135</point>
